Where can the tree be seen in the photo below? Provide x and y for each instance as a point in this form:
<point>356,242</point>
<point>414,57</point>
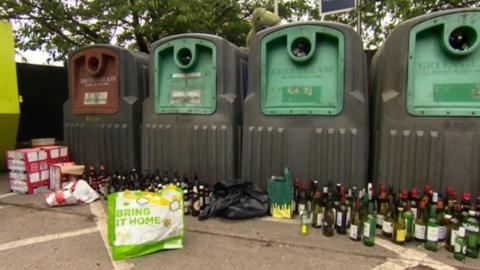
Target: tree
<point>59,26</point>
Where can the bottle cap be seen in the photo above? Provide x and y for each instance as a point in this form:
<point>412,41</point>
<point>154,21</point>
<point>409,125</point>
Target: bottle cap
<point>426,189</point>
<point>466,196</point>
<point>400,208</point>
<point>450,192</point>
<point>414,193</point>
<point>404,194</point>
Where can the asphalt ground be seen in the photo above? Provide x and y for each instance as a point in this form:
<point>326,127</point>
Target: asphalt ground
<point>34,236</point>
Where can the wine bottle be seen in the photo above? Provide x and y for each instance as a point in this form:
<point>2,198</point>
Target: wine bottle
<point>399,228</point>
<point>369,227</point>
<point>431,231</point>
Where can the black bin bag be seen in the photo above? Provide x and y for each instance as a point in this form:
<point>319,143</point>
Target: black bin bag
<point>236,199</point>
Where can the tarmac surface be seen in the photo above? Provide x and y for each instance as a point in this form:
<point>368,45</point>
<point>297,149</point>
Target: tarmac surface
<point>34,236</point>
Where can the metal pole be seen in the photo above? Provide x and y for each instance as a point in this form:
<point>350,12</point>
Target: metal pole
<point>359,19</point>
<point>275,6</point>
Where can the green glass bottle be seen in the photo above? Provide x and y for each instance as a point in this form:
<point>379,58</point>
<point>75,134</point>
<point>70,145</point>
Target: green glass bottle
<point>369,227</point>
<point>329,220</point>
<point>442,227</point>
<point>356,224</point>
<point>410,222</point>
<point>460,246</point>
<point>431,231</point>
<point>472,230</point>
<point>420,222</point>
<point>399,228</point>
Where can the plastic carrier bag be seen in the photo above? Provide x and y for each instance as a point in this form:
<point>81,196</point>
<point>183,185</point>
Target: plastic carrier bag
<point>280,192</point>
<point>140,222</point>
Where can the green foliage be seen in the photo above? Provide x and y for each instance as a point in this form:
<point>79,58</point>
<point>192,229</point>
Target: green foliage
<point>59,26</point>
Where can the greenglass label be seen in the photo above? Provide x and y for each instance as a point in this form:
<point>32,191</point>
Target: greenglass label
<point>442,232</point>
<point>319,219</point>
<point>366,229</point>
<point>414,211</point>
<point>353,231</point>
<point>419,231</point>
<point>432,234</point>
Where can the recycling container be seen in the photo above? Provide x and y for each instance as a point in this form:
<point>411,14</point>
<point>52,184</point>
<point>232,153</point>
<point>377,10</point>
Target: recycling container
<point>426,82</point>
<point>9,98</point>
<point>192,118</point>
<point>102,115</point>
<point>307,105</point>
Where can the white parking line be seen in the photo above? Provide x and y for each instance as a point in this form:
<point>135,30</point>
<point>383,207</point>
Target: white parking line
<point>44,238</point>
<point>7,195</point>
<point>101,220</point>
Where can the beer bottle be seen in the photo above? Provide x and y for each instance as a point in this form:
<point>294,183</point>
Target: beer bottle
<point>351,198</point>
<point>414,202</point>
<point>102,181</point>
<point>296,196</point>
<point>195,201</point>
<point>329,220</point>
<point>400,228</point>
<point>472,234</point>
<point>302,198</point>
<point>382,205</point>
<point>369,227</point>
<point>356,224</point>
<point>431,231</point>
<point>341,217</point>
<point>92,177</point>
<point>410,222</point>
<point>207,196</point>
<point>420,222</point>
<point>317,210</point>
<point>387,227</point>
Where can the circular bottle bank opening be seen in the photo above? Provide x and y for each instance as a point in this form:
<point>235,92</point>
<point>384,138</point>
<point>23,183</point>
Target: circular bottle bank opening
<point>462,38</point>
<point>301,48</point>
<point>93,63</point>
<point>184,56</point>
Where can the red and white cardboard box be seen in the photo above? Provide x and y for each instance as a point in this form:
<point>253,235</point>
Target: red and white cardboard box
<point>23,182</point>
<point>29,160</point>
<point>56,154</point>
<point>67,170</point>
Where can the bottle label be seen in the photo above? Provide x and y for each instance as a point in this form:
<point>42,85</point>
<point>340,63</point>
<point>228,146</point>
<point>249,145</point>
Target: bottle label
<point>380,219</point>
<point>339,219</point>
<point>457,248</point>
<point>432,234</point>
<point>348,214</point>
<point>366,229</point>
<point>419,231</point>
<point>387,227</point>
<point>401,235</point>
<point>196,205</point>
<point>353,231</point>
<point>414,211</point>
<point>453,237</point>
<point>471,227</point>
<point>301,207</point>
<point>319,219</point>
<point>442,232</point>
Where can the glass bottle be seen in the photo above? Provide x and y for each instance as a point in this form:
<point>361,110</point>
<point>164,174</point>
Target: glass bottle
<point>317,210</point>
<point>460,246</point>
<point>369,227</point>
<point>400,228</point>
<point>329,220</point>
<point>431,231</point>
<point>387,227</point>
<point>304,221</point>
<point>195,201</point>
<point>356,224</point>
<point>472,231</point>
<point>414,202</point>
<point>409,223</point>
<point>382,204</point>
<point>453,227</point>
<point>442,227</point>
<point>420,223</point>
<point>341,216</point>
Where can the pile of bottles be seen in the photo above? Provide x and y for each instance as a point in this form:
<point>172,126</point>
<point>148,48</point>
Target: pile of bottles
<point>196,194</point>
<point>428,217</point>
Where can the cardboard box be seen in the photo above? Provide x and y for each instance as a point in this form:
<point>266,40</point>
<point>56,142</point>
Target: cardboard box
<point>62,173</point>
<point>56,154</point>
<point>29,183</point>
<point>28,160</point>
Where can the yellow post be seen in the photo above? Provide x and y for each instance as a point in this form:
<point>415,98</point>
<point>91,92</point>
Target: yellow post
<point>9,99</point>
